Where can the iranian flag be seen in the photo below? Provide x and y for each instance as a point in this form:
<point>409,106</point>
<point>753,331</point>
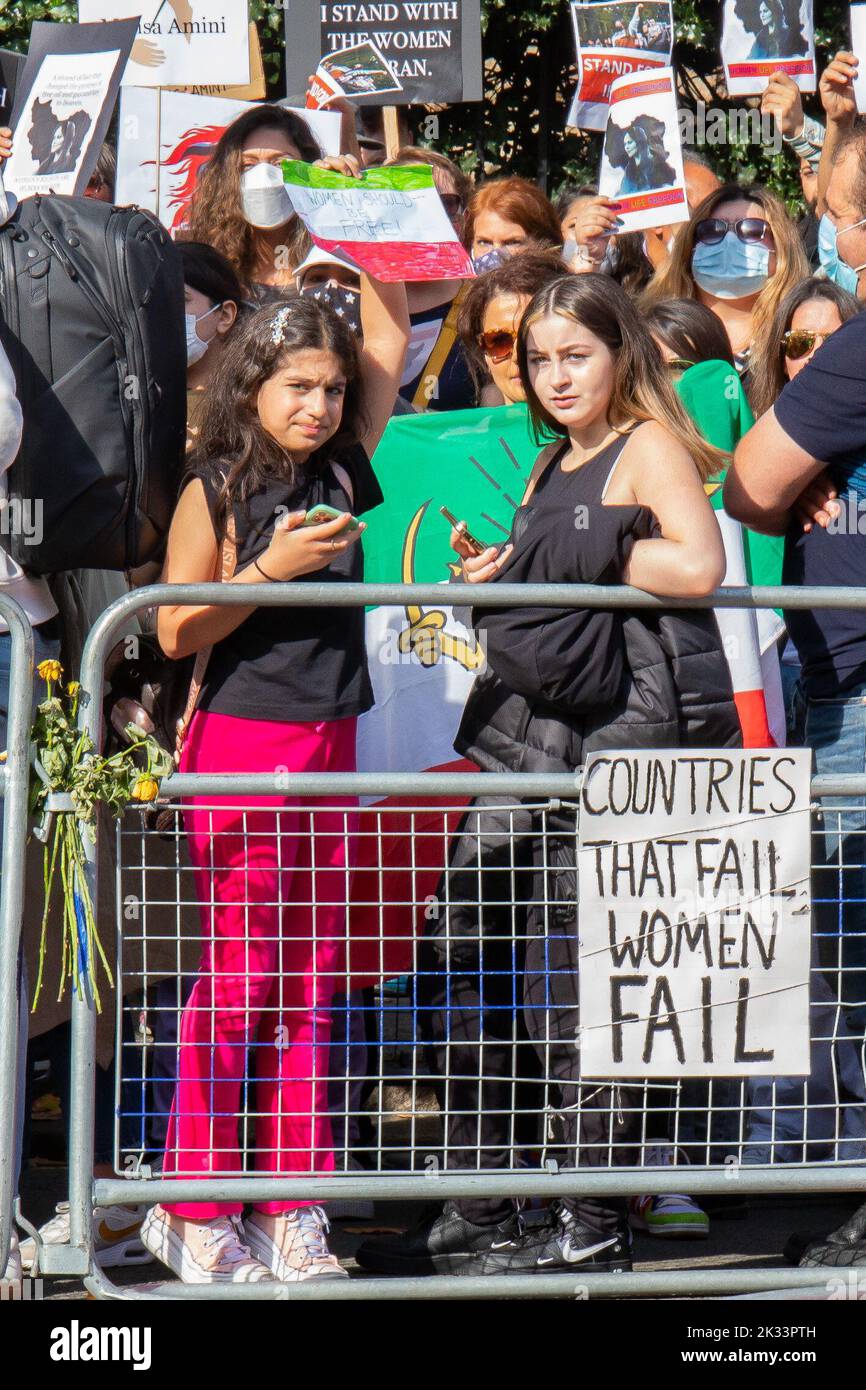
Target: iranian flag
<point>389,222</point>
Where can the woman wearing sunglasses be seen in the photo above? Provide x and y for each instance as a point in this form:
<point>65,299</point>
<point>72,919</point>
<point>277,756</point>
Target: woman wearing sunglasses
<point>739,254</point>
<point>804,320</point>
<point>490,318</point>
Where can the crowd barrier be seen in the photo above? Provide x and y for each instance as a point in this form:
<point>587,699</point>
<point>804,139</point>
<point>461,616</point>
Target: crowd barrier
<point>403,1095</point>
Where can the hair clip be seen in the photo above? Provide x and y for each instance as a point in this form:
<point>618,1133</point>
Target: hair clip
<point>280,322</point>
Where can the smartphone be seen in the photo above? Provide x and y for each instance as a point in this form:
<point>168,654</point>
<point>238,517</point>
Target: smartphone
<point>318,515</point>
<point>465,533</point>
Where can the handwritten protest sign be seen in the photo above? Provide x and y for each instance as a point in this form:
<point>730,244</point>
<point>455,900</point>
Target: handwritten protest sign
<point>433,47</point>
<point>761,37</point>
<point>695,913</point>
<point>390,222</point>
<point>615,40</point>
<point>181,41</point>
<point>64,99</point>
<point>166,140</point>
<point>353,72</point>
<point>642,163</point>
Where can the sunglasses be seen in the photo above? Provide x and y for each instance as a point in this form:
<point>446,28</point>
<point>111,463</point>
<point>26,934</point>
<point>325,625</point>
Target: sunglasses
<point>497,345</point>
<point>712,230</point>
<point>798,342</point>
<point>679,364</point>
<point>452,203</point>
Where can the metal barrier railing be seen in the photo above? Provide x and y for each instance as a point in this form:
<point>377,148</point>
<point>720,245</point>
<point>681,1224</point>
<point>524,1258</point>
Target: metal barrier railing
<point>77,1257</point>
<point>14,784</point>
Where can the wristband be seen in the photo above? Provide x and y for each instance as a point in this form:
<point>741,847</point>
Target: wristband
<point>264,574</point>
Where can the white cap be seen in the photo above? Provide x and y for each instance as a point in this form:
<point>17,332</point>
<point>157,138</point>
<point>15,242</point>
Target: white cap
<point>319,257</point>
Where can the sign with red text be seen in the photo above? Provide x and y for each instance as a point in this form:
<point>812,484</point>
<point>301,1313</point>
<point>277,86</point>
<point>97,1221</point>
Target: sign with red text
<point>695,913</point>
<point>615,40</point>
<point>642,162</point>
<point>761,37</point>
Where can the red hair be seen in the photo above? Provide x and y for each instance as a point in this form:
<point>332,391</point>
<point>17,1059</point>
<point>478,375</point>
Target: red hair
<point>517,200</point>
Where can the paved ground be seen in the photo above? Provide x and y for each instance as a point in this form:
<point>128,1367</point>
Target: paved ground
<point>754,1241</point>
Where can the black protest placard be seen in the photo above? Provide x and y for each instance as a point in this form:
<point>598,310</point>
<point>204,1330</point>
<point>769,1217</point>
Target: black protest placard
<point>11,65</point>
<point>432,46</point>
<point>64,100</point>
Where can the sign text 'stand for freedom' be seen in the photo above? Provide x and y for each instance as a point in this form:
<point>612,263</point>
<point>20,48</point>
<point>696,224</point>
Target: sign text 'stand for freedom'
<point>694,913</point>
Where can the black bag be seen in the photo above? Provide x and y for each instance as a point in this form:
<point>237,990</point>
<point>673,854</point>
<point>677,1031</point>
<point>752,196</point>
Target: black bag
<point>93,325</point>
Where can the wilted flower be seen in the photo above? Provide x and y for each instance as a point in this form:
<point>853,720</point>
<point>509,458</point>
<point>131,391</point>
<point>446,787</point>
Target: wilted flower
<point>146,789</point>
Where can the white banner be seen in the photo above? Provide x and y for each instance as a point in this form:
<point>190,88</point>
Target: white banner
<point>181,43</point>
<point>695,913</point>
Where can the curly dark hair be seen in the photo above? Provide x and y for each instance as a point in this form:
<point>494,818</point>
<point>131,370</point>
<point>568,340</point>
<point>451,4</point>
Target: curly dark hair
<point>216,213</point>
<point>233,448</point>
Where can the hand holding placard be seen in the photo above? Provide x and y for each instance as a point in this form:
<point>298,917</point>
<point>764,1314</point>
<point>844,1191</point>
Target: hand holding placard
<point>858,48</point>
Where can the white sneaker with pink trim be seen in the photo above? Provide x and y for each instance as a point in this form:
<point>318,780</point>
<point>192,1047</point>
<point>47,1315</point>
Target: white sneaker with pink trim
<point>293,1245</point>
<point>202,1252</point>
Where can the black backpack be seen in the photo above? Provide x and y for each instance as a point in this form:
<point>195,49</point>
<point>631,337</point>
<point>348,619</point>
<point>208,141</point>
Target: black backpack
<point>93,324</point>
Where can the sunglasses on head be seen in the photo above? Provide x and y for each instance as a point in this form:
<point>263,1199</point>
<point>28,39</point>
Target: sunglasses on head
<point>498,344</point>
<point>798,342</point>
<point>452,203</point>
<point>712,230</point>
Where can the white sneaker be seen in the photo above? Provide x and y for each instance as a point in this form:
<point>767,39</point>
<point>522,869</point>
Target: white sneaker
<point>205,1252</point>
<point>116,1240</point>
<point>298,1249</point>
<point>14,1271</point>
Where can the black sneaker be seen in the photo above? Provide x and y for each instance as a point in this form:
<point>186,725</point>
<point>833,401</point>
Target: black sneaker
<point>565,1244</point>
<point>440,1244</point>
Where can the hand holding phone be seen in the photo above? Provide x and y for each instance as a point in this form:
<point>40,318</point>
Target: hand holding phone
<point>321,513</point>
<point>463,532</point>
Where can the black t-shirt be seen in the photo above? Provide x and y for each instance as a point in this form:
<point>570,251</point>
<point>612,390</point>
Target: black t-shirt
<point>824,411</point>
<point>454,388</point>
<point>300,665</point>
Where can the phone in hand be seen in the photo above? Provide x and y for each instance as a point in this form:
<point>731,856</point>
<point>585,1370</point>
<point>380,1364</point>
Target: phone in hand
<point>318,515</point>
<point>464,532</point>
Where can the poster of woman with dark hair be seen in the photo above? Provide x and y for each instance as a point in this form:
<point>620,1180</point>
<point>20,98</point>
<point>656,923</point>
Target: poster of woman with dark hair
<point>765,36</point>
<point>642,162</point>
<point>640,152</point>
<point>56,143</point>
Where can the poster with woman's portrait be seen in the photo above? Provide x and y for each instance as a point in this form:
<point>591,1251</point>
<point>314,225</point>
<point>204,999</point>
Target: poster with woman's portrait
<point>64,100</point>
<point>642,163</point>
<point>613,40</point>
<point>761,37</point>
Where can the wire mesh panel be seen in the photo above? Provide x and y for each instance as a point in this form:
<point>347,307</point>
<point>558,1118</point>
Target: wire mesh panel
<point>315,986</point>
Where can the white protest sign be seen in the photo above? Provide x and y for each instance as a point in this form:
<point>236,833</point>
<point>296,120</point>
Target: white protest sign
<point>642,162</point>
<point>695,913</point>
<point>858,48</point>
<point>165,141</point>
<point>614,40</point>
<point>761,37</point>
<point>181,42</point>
<point>55,132</point>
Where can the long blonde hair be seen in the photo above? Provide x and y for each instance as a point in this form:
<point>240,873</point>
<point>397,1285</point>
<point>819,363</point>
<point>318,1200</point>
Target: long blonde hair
<point>642,387</point>
<point>674,279</point>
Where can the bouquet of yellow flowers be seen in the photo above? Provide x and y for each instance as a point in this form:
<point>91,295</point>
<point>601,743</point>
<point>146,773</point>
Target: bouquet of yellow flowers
<point>65,760</point>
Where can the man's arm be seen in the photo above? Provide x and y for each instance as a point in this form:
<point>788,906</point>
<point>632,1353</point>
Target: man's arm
<point>768,475</point>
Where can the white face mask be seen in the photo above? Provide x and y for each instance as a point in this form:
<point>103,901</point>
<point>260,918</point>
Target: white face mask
<point>196,347</point>
<point>265,200</point>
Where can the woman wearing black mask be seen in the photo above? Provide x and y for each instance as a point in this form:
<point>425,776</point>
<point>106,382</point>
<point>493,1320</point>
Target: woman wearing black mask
<point>331,280</point>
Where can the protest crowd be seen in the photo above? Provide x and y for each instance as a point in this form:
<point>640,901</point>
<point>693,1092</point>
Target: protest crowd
<point>681,383</point>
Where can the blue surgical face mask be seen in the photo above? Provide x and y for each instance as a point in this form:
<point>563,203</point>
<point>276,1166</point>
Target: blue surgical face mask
<point>731,269</point>
<point>835,269</point>
<point>490,260</point>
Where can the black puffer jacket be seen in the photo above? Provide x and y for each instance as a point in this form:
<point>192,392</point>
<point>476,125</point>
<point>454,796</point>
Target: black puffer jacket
<point>649,679</point>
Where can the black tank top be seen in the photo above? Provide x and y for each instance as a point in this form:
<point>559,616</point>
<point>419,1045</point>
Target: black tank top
<point>584,485</point>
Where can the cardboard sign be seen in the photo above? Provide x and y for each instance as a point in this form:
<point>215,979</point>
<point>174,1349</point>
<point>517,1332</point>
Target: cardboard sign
<point>614,40</point>
<point>166,139</point>
<point>642,162</point>
<point>695,913</point>
<point>433,47</point>
<point>254,90</point>
<point>64,101</point>
<point>858,48</point>
<point>181,42</point>
<point>389,222</point>
<point>354,72</point>
<point>761,37</point>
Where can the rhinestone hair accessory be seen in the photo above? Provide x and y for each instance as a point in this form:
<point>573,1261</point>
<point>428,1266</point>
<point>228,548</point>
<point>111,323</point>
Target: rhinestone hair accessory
<point>281,318</point>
